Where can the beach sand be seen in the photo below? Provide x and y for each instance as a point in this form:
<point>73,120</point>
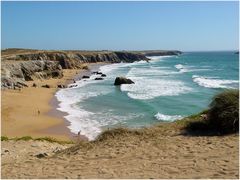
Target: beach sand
<point>20,109</point>
<point>20,115</point>
<point>161,155</point>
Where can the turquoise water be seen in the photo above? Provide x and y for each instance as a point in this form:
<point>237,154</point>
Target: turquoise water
<point>165,89</point>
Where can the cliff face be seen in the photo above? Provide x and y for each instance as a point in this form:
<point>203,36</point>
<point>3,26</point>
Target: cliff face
<point>70,60</point>
<point>14,74</point>
<point>19,65</point>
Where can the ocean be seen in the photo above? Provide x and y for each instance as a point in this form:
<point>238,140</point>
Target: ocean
<point>166,88</point>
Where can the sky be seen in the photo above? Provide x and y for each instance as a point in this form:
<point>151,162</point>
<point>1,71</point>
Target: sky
<point>186,26</point>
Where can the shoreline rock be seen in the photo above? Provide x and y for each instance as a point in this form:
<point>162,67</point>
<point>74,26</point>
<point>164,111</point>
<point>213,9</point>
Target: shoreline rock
<point>122,80</point>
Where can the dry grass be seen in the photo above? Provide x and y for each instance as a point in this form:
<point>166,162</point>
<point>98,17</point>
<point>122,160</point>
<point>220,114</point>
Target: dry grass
<point>28,138</point>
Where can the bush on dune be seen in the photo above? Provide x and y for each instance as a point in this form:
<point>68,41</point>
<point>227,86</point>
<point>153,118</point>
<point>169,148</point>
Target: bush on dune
<point>222,117</point>
<point>224,112</point>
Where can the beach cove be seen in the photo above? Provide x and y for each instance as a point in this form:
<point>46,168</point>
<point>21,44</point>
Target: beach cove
<point>21,117</point>
<point>142,152</point>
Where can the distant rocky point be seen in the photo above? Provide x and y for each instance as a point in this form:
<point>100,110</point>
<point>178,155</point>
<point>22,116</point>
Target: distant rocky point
<point>19,65</point>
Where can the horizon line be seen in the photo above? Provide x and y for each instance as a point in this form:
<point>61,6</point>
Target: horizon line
<point>121,50</point>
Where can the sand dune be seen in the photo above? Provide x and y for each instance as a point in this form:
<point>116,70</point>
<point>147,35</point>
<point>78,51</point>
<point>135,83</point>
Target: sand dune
<point>155,155</point>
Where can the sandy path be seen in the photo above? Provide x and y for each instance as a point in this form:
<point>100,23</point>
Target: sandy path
<point>173,156</point>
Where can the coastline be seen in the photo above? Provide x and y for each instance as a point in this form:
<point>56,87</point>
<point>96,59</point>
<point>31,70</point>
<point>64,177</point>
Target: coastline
<point>20,108</point>
<point>21,118</point>
<point>54,102</point>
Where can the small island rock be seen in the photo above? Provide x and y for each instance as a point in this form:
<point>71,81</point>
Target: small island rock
<point>122,80</point>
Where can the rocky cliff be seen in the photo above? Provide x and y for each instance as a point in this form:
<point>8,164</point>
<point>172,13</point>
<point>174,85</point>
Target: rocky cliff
<point>74,59</point>
<point>19,65</point>
<point>13,74</point>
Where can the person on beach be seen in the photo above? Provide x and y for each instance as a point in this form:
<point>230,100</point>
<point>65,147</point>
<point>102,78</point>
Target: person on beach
<point>38,112</point>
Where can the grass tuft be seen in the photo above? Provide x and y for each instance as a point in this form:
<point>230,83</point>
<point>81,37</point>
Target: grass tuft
<point>117,132</point>
<point>24,138</point>
<point>4,138</point>
<point>53,140</point>
<point>28,138</point>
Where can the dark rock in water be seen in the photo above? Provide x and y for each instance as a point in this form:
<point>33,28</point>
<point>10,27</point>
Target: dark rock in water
<point>98,78</point>
<point>85,77</point>
<point>61,86</point>
<point>103,75</point>
<point>99,72</point>
<point>94,72</point>
<point>122,80</point>
<point>34,85</point>
<point>41,155</point>
<point>72,86</point>
<point>46,86</point>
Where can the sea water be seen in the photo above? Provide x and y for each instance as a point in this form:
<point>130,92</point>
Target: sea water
<point>166,88</point>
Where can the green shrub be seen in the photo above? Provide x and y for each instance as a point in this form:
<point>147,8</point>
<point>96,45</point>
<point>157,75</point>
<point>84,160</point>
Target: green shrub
<point>224,112</point>
<point>4,138</point>
<point>117,132</point>
<point>24,138</point>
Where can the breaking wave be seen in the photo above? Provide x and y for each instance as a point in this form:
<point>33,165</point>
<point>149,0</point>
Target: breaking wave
<point>214,82</point>
<point>163,117</point>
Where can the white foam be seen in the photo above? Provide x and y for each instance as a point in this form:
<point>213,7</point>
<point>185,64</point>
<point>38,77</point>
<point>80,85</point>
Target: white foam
<point>80,119</point>
<point>158,57</point>
<point>110,67</point>
<point>179,66</point>
<point>151,82</point>
<point>150,71</point>
<point>213,82</point>
<point>145,88</point>
<point>164,117</point>
<point>185,68</point>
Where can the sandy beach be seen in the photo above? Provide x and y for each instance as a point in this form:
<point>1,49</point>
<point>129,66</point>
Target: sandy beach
<point>20,109</point>
<point>20,115</point>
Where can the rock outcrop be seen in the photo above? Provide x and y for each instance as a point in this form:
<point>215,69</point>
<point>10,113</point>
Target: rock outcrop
<point>122,80</point>
<point>15,73</point>
<point>75,59</point>
<point>19,65</point>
